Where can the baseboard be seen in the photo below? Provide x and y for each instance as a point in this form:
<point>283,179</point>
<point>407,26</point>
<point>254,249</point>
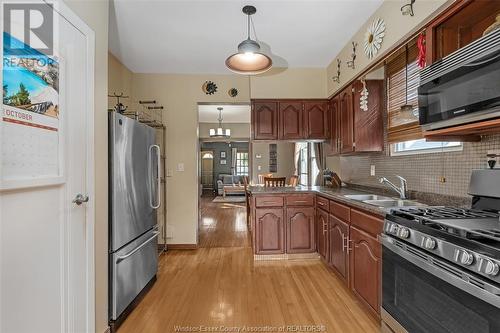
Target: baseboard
<point>182,246</point>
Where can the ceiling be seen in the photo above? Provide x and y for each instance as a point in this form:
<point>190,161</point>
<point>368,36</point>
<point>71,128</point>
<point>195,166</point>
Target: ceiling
<point>230,113</point>
<point>195,37</point>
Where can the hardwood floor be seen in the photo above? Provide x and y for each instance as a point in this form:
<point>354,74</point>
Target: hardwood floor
<point>219,284</point>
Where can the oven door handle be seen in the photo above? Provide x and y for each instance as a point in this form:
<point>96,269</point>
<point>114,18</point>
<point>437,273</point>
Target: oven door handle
<point>446,272</point>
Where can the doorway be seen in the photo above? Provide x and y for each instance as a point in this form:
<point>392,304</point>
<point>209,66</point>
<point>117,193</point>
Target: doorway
<point>47,206</point>
<point>207,171</point>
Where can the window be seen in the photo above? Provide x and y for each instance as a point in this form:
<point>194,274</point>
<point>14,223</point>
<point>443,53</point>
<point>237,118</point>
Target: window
<point>303,171</point>
<point>242,163</point>
<point>402,81</point>
<point>422,147</point>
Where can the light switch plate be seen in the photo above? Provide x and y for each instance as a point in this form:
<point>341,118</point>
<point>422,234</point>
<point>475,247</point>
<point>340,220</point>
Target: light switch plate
<point>259,167</point>
<point>372,170</point>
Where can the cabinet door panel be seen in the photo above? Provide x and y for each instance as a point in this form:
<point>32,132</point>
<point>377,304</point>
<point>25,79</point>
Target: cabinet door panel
<point>322,233</point>
<point>300,230</point>
<point>365,268</point>
<point>338,236</point>
<point>368,125</point>
<point>334,126</point>
<point>265,120</point>
<point>317,119</point>
<point>269,231</point>
<point>346,121</point>
<point>291,120</point>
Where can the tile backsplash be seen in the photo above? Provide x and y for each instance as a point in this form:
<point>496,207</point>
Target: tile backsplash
<point>423,171</point>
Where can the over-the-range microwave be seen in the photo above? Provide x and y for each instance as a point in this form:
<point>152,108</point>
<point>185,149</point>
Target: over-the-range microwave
<point>463,87</point>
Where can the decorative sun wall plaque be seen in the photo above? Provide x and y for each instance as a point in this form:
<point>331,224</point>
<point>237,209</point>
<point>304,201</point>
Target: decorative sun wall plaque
<point>374,37</point>
<point>233,92</point>
<point>209,87</point>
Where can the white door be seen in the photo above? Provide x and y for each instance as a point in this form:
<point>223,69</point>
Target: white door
<point>46,239</point>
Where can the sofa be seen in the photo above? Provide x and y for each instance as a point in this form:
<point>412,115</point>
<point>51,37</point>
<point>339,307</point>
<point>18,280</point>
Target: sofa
<point>228,180</point>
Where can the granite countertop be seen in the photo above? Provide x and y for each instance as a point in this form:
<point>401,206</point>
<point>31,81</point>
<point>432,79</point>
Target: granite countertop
<point>337,194</point>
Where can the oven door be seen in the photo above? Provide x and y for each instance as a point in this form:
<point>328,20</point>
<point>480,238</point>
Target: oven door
<point>425,294</point>
<point>469,93</point>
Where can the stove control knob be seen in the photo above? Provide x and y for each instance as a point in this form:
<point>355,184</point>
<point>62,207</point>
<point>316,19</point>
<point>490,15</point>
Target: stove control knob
<point>404,232</point>
<point>393,229</point>
<point>429,243</point>
<point>466,258</point>
<point>491,268</point>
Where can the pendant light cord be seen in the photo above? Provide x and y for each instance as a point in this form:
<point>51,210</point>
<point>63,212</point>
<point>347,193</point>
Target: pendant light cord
<point>248,26</point>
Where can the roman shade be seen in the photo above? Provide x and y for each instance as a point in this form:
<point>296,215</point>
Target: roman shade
<point>400,125</point>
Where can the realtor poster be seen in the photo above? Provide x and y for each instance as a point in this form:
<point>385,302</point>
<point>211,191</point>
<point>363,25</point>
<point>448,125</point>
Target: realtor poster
<point>30,113</point>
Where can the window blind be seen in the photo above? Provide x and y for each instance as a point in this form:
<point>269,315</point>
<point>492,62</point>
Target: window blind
<point>401,126</point>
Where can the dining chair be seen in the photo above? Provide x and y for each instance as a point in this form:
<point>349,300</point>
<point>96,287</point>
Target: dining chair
<point>262,176</point>
<point>294,180</point>
<point>274,182</point>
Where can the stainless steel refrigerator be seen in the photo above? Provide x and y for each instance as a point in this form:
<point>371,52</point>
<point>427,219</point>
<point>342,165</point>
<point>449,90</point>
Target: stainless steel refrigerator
<point>134,196</point>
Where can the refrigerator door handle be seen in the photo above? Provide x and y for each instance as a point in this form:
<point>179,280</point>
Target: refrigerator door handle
<point>125,256</point>
<point>158,177</point>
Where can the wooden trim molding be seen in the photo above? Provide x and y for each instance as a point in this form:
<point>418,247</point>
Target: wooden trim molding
<point>182,246</point>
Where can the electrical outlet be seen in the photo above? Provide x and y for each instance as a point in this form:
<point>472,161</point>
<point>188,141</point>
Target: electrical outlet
<point>372,170</point>
<point>496,158</point>
<point>259,167</point>
<point>180,167</point>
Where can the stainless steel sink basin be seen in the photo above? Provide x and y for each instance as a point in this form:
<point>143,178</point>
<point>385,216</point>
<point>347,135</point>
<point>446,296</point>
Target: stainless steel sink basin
<point>366,197</point>
<point>392,203</point>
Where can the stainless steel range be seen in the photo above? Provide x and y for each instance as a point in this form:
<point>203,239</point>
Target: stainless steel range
<point>441,264</point>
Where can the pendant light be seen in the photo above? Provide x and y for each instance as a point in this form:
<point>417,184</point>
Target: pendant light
<point>249,60</point>
<point>220,132</point>
<point>407,109</point>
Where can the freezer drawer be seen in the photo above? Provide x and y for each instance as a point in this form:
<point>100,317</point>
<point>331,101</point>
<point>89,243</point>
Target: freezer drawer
<point>132,267</point>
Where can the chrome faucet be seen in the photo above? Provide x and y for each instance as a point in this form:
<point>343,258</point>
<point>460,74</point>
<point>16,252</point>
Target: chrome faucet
<point>402,190</point>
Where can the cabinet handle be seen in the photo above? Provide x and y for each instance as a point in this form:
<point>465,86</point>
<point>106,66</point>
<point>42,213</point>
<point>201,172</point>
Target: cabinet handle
<point>324,228</point>
<point>349,248</point>
<point>300,201</point>
<point>344,242</point>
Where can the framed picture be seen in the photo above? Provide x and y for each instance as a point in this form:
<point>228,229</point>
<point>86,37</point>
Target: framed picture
<point>223,162</point>
<point>223,155</point>
<point>32,119</point>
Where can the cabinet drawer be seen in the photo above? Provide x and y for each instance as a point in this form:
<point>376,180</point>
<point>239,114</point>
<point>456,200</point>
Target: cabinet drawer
<point>300,200</point>
<point>269,201</point>
<point>371,224</point>
<point>322,203</point>
<point>340,211</point>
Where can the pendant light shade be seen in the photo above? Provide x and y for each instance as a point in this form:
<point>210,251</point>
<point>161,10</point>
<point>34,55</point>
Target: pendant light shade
<point>249,60</point>
<point>220,132</point>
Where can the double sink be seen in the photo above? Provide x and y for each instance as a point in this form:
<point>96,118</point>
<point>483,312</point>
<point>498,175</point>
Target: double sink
<point>382,201</point>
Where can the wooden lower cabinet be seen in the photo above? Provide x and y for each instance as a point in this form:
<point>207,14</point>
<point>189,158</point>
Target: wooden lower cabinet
<point>365,261</point>
<point>338,241</point>
<point>300,236</point>
<point>322,233</point>
<point>269,231</point>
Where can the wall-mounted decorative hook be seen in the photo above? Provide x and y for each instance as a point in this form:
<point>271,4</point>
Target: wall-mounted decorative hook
<point>350,63</point>
<point>408,8</point>
<point>337,78</point>
<point>119,107</point>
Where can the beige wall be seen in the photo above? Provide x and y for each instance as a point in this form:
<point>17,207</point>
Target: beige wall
<point>286,164</point>
<point>95,14</point>
<point>119,81</point>
<point>179,94</point>
<point>290,83</point>
<point>238,130</point>
<point>398,27</point>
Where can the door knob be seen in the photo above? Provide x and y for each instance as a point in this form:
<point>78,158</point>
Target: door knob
<point>80,198</point>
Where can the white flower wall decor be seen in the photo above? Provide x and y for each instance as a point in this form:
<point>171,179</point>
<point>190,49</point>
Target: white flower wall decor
<point>374,37</point>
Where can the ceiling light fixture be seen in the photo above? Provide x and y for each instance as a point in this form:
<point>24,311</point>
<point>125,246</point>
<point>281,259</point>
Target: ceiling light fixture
<point>220,132</point>
<point>249,60</point>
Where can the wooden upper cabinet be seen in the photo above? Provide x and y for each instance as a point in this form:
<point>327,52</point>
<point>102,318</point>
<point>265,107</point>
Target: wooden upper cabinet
<point>462,23</point>
<point>338,238</point>
<point>334,126</point>
<point>291,120</point>
<point>265,120</point>
<point>300,235</point>
<point>365,268</point>
<point>269,231</point>
<point>317,119</point>
<point>368,125</point>
<point>346,121</point>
